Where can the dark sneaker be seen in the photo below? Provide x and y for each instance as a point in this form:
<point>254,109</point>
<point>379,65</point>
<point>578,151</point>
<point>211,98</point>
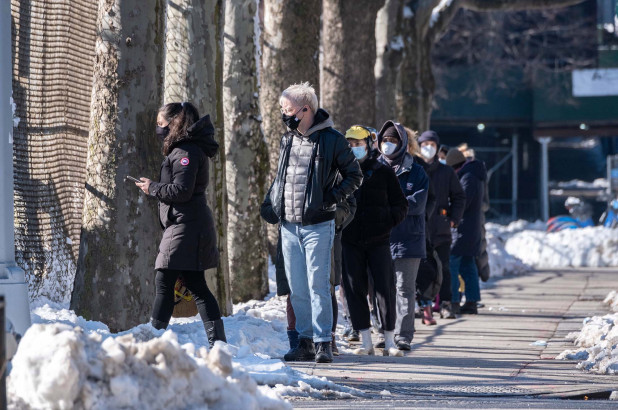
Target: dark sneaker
<point>354,336</point>
<point>446,311</point>
<point>403,344</point>
<point>324,353</point>
<point>469,308</point>
<point>305,352</point>
<point>334,347</point>
<point>455,308</point>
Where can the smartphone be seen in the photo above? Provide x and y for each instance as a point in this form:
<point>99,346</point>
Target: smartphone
<point>132,179</point>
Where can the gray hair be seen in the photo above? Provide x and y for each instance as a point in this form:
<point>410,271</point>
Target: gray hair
<point>301,94</point>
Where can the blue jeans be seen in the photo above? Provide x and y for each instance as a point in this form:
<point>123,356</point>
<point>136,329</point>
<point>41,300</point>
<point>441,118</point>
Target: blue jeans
<point>307,258</point>
<point>466,267</point>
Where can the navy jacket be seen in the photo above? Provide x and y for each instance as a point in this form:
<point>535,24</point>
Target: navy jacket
<point>472,176</point>
<point>408,238</point>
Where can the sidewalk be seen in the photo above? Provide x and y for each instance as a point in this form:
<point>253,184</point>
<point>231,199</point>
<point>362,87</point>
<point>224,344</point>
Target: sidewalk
<point>487,361</point>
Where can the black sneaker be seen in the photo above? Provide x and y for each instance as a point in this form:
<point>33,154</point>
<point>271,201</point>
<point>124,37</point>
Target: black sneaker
<point>469,308</point>
<point>403,344</point>
<point>305,352</point>
<point>455,308</point>
<point>354,336</point>
<point>324,353</point>
<point>446,311</point>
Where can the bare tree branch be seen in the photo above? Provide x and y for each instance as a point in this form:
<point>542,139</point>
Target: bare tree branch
<point>484,5</point>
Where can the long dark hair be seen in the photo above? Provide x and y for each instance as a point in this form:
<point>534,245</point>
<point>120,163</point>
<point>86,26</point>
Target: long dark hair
<point>180,117</point>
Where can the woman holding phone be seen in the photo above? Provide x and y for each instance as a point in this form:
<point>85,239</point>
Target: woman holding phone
<point>189,245</point>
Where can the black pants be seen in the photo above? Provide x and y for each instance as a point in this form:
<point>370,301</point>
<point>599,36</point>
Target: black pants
<point>444,253</point>
<point>355,280</point>
<point>163,307</point>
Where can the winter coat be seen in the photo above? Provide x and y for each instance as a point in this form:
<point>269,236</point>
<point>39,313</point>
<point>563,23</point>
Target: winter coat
<point>472,176</point>
<point>380,205</point>
<point>331,156</point>
<point>482,261</point>
<point>429,276</point>
<point>189,239</point>
<point>408,238</point>
<point>450,202</point>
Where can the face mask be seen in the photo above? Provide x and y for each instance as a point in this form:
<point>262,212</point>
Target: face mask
<point>442,161</point>
<point>428,151</point>
<point>388,148</point>
<point>162,132</point>
<point>359,152</point>
<point>290,120</point>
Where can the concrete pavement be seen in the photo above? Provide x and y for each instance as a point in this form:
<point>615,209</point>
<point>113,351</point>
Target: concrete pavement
<point>487,360</point>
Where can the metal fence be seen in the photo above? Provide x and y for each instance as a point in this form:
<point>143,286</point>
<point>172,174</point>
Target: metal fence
<point>53,50</point>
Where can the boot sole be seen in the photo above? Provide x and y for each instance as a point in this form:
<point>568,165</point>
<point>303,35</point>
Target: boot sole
<point>299,359</point>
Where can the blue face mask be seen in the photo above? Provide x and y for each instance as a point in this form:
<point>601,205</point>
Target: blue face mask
<point>442,161</point>
<point>359,152</point>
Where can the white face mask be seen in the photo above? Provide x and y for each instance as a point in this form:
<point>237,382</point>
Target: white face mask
<point>428,151</point>
<point>388,148</point>
<point>442,161</point>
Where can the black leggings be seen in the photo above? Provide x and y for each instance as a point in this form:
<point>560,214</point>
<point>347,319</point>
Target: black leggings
<point>165,280</point>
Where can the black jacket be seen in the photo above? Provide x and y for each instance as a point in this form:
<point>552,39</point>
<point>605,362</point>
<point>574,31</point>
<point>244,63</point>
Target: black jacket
<point>450,202</point>
<point>472,176</point>
<point>380,205</point>
<point>330,157</point>
<point>189,240</point>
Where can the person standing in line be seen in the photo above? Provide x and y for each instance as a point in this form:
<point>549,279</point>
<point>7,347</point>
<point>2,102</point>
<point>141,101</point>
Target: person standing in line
<point>467,243</point>
<point>380,206</point>
<point>189,244</point>
<point>344,214</point>
<point>304,198</point>
<point>449,208</point>
<point>407,239</point>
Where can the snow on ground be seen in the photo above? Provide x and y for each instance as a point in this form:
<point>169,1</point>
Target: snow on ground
<point>66,361</point>
<point>597,341</point>
<point>592,247</point>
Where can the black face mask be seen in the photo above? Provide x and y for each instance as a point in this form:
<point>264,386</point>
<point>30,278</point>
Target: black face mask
<point>162,132</point>
<point>290,120</point>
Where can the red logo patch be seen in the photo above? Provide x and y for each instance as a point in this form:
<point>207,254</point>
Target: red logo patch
<point>184,161</point>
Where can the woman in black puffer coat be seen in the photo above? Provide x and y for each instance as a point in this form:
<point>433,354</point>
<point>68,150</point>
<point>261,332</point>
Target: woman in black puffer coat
<point>189,244</point>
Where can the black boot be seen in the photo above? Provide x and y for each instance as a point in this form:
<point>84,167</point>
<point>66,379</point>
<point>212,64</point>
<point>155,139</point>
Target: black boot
<point>157,324</point>
<point>304,352</point>
<point>324,353</point>
<point>293,339</point>
<point>469,308</point>
<point>214,332</point>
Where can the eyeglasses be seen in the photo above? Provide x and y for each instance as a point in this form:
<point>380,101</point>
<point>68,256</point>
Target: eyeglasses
<point>294,110</point>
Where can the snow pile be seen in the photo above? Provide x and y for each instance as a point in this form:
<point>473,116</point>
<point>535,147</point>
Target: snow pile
<point>59,366</point>
<point>598,345</point>
<point>593,247</point>
<point>146,368</point>
<point>500,261</point>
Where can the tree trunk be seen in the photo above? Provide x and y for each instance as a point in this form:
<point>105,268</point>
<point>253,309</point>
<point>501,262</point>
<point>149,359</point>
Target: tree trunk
<point>389,57</point>
<point>349,46</point>
<point>290,55</point>
<point>246,153</point>
<point>114,280</point>
<point>193,72</point>
<point>415,94</point>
